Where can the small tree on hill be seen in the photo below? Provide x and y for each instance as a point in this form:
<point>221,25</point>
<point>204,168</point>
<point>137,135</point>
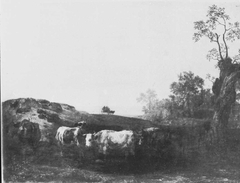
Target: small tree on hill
<point>107,110</point>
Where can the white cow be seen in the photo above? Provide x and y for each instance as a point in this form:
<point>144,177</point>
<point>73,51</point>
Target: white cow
<point>109,142</point>
<point>67,135</point>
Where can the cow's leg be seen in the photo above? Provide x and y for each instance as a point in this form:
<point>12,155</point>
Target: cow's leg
<point>126,155</point>
<point>82,152</point>
<point>104,153</point>
<point>61,153</point>
<point>105,157</point>
<point>61,149</point>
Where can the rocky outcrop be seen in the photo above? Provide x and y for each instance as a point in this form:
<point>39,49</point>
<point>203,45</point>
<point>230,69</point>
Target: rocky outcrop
<point>48,115</point>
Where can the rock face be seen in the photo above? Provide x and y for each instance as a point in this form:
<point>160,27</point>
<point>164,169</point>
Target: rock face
<point>48,115</point>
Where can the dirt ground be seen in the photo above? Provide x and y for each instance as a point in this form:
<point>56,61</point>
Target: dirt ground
<point>223,170</point>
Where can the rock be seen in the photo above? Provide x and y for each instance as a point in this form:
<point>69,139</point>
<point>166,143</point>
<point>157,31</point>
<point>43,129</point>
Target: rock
<point>56,107</point>
<point>23,110</point>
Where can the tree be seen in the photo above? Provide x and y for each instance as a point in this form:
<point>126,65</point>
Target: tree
<point>105,109</point>
<point>189,99</point>
<point>149,98</point>
<point>189,96</point>
<point>152,108</point>
<point>186,91</point>
<point>221,32</point>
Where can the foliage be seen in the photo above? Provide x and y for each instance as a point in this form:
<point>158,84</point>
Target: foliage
<point>186,92</point>
<point>189,96</point>
<point>152,109</point>
<point>107,110</point>
<point>188,99</point>
<point>215,27</point>
<point>150,98</point>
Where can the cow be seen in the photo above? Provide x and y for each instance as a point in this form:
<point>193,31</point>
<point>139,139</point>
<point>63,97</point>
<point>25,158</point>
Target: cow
<point>28,133</point>
<point>110,142</point>
<point>81,124</point>
<point>150,136</point>
<point>154,142</point>
<point>69,135</point>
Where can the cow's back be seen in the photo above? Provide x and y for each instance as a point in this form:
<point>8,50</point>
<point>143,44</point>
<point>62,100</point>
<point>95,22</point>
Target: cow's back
<point>113,142</point>
<point>102,136</point>
<point>122,137</point>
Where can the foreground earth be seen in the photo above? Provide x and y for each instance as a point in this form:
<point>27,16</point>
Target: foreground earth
<point>26,171</point>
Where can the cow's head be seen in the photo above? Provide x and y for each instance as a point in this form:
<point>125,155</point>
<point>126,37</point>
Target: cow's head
<point>89,137</point>
<point>81,124</point>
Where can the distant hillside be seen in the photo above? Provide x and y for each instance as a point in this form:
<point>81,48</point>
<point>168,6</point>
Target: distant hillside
<point>51,115</point>
<point>120,122</point>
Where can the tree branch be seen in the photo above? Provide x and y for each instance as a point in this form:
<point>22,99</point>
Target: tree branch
<point>225,44</point>
<point>220,23</point>
<point>219,47</point>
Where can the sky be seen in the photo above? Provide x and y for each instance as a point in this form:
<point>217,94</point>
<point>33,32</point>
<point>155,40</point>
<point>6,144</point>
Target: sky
<point>91,54</point>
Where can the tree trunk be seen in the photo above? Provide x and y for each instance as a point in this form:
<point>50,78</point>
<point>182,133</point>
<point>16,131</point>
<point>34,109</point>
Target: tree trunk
<point>225,96</point>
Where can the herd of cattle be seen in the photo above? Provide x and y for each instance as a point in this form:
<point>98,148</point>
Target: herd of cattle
<point>104,141</point>
<point>123,143</point>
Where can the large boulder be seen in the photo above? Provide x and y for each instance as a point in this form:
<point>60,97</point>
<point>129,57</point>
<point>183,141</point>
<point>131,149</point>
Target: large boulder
<point>47,115</point>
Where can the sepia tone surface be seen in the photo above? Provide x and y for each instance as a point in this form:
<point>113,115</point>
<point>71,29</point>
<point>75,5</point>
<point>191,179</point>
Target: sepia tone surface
<point>64,61</point>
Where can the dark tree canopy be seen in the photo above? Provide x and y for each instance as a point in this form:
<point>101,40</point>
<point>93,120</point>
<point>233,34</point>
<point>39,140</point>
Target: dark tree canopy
<point>189,94</point>
<point>105,109</point>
